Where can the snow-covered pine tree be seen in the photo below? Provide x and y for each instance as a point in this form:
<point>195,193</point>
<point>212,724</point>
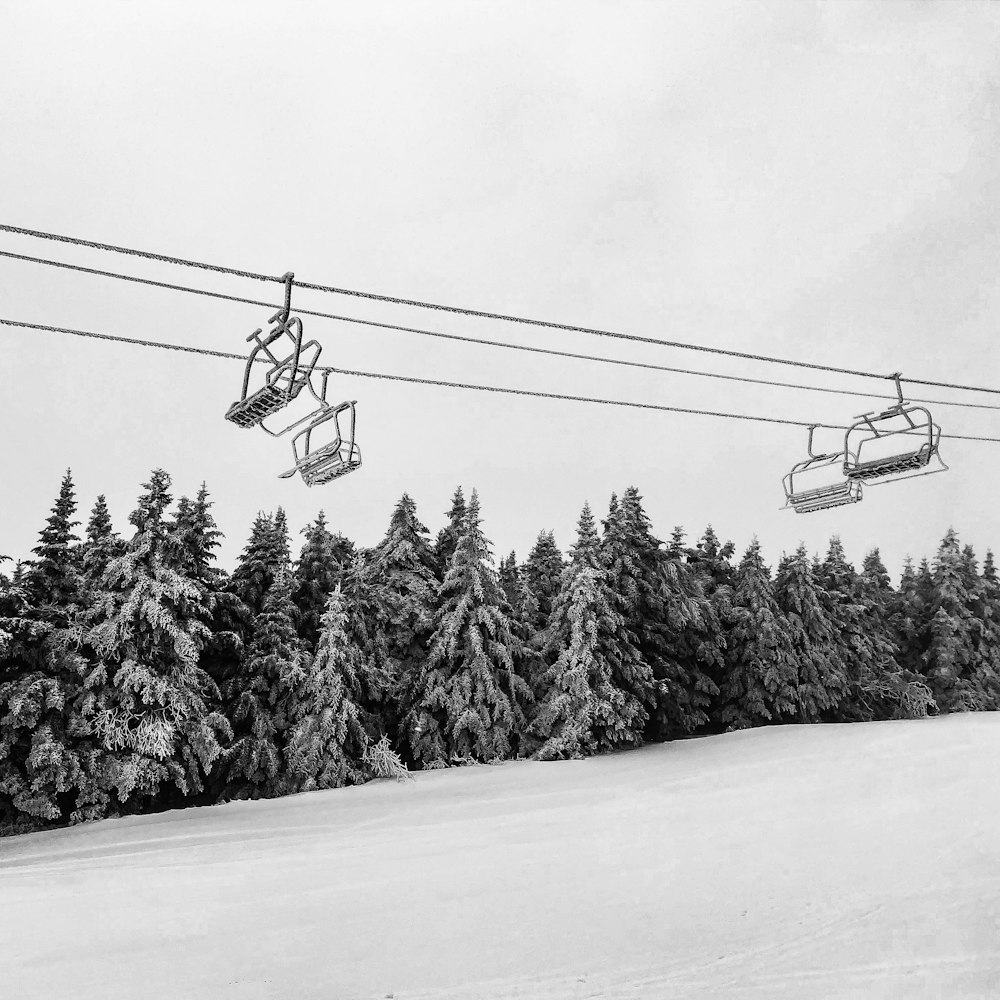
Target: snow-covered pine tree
<point>470,699</point>
<point>264,558</point>
<point>664,607</point>
<point>47,766</point>
<point>839,595</point>
<point>950,659</point>
<point>148,697</point>
<point>404,565</point>
<point>101,545</point>
<point>822,679</point>
<point>262,698</point>
<point>447,538</point>
<point>327,739</point>
<point>319,569</point>
<point>760,681</point>
<point>368,611</point>
<point>988,649</point>
<point>712,560</point>
<point>53,579</point>
<point>510,583</point>
<point>884,690</point>
<point>543,571</point>
<point>580,710</point>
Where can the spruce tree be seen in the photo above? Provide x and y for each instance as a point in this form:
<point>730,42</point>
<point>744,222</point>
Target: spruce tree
<point>263,697</point>
<point>469,703</point>
<point>319,569</point>
<point>101,545</point>
<point>822,679</point>
<point>510,583</point>
<point>762,674</point>
<point>49,762</point>
<point>544,569</point>
<point>447,539</point>
<point>148,697</point>
<point>328,738</point>
<point>54,577</point>
<point>884,690</point>
<point>950,659</point>
<point>404,564</point>
<point>988,649</point>
<point>581,710</point>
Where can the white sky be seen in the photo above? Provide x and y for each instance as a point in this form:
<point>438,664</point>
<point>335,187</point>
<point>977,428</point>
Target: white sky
<point>815,181</point>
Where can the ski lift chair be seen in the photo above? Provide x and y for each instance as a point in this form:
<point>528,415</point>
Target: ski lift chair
<point>287,376</point>
<point>818,483</point>
<point>899,443</point>
<point>340,456</point>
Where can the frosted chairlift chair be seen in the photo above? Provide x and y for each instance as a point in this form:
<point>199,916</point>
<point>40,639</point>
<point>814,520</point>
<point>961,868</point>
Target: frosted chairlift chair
<point>818,482</point>
<point>898,443</point>
<point>287,376</point>
<point>330,461</point>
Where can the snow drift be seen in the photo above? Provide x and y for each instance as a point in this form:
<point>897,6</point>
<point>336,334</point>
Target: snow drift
<point>799,861</point>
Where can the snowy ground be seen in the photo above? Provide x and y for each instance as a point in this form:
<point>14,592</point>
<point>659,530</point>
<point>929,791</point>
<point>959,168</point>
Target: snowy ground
<point>799,862</point>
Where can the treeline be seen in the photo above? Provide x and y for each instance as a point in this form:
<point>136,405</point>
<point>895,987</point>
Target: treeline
<point>136,675</point>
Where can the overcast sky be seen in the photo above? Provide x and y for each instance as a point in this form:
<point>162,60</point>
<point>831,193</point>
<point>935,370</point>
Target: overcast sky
<point>818,181</point>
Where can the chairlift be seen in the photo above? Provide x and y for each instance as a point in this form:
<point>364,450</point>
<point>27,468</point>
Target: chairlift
<point>818,482</point>
<point>330,461</point>
<point>287,376</point>
<point>899,443</point>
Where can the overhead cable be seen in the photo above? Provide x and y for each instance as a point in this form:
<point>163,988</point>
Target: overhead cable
<point>479,313</point>
<point>458,385</point>
<point>483,342</point>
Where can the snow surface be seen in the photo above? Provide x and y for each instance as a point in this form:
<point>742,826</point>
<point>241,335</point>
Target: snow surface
<point>817,861</point>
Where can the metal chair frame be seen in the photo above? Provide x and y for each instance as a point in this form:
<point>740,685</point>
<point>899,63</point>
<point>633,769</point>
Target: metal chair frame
<point>810,499</point>
<point>332,460</point>
<point>286,377</point>
<point>896,467</point>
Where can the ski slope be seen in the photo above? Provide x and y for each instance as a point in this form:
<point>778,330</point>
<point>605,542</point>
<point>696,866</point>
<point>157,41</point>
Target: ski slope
<point>798,862</point>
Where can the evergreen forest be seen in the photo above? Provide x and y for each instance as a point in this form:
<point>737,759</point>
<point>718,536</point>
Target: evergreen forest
<point>136,675</point>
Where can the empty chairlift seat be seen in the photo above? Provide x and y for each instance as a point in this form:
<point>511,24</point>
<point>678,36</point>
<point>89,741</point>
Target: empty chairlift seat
<point>900,442</point>
<point>818,483</point>
<point>283,381</point>
<point>330,461</point>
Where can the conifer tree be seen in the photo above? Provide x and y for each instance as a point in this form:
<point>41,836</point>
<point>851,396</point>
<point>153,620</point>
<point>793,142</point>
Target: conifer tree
<point>263,697</point>
<point>328,738</point>
<point>49,762</point>
<point>319,569</point>
<point>404,564</point>
<point>368,624</point>
<point>762,674</point>
<point>257,566</point>
<point>950,659</point>
<point>102,543</point>
<point>884,690</point>
<point>54,577</point>
<point>470,700</point>
<point>581,710</point>
<point>822,679</point>
<point>447,539</point>
<point>543,570</point>
<point>510,583</point>
<point>988,649</point>
<point>148,698</point>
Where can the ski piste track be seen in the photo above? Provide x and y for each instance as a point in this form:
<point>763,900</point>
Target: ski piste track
<point>795,861</point>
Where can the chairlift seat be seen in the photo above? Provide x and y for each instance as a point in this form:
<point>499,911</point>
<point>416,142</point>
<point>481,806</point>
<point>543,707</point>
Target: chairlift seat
<point>330,461</point>
<point>889,465</point>
<point>822,498</point>
<point>265,402</point>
